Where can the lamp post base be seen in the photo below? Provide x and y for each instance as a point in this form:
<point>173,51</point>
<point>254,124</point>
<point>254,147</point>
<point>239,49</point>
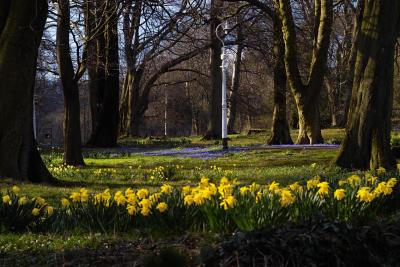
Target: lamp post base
<point>224,143</point>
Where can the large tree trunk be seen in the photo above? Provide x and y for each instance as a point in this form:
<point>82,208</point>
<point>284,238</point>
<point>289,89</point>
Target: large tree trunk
<point>349,77</point>
<point>21,27</point>
<point>307,95</point>
<point>72,127</point>
<point>129,101</point>
<point>367,140</point>
<point>214,129</point>
<point>235,84</point>
<point>280,133</point>
<point>105,131</point>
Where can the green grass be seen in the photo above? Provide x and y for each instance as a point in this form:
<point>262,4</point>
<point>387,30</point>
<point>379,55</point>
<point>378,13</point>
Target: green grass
<point>261,165</point>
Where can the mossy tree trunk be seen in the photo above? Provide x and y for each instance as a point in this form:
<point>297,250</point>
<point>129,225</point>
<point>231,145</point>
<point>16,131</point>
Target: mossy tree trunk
<point>72,127</point>
<point>307,94</point>
<point>21,28</point>
<point>280,133</point>
<point>367,140</point>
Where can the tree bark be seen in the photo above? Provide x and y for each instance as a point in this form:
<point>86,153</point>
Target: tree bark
<point>280,133</point>
<point>307,95</point>
<point>235,84</point>
<point>367,140</point>
<point>105,131</point>
<point>352,61</point>
<point>72,127</point>
<point>214,129</point>
<point>21,28</point>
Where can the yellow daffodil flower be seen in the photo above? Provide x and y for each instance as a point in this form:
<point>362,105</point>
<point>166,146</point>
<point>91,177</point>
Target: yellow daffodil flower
<point>162,207</point>
<point>339,194</point>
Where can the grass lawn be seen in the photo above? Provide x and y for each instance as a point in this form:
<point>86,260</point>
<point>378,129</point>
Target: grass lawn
<point>119,169</point>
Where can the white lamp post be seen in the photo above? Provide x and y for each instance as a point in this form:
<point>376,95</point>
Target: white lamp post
<point>224,68</point>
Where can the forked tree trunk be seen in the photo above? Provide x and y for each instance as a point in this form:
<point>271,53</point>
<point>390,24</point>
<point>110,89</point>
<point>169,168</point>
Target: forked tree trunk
<point>214,129</point>
<point>21,27</point>
<point>280,133</point>
<point>307,95</point>
<point>72,127</point>
<point>309,124</point>
<point>367,140</point>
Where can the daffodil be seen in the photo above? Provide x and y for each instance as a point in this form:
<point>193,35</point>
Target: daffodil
<point>16,189</point>
<point>244,190</point>
<point>23,201</point>
<point>364,194</point>
<point>35,212</point>
<point>186,190</point>
<point>258,196</point>
<point>40,201</point>
<point>204,181</point>
<point>224,181</point>
<point>145,211</point>
<point>49,210</point>
<point>381,171</point>
<point>354,180</point>
<point>198,199</point>
<point>162,207</point>
<point>119,198</point>
<point>228,202</point>
<point>312,183</point>
<point>296,187</point>
<point>383,188</point>
<point>7,200</point>
<point>84,195</point>
<point>75,196</point>
<point>145,203</point>
<point>254,187</point>
<point>339,194</point>
<point>323,188</point>
<point>273,187</point>
<point>154,197</point>
<point>287,197</point>
<point>132,209</point>
<point>142,193</point>
<point>392,182</point>
<point>188,200</point>
<point>65,202</point>
<point>166,189</point>
<point>129,191</point>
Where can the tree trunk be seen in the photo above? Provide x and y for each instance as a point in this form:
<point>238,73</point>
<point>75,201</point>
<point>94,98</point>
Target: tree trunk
<point>235,84</point>
<point>105,133</point>
<point>333,100</point>
<point>307,95</point>
<point>349,77</point>
<point>72,127</point>
<point>214,129</point>
<point>280,133</point>
<point>367,140</point>
<point>309,124</point>
<point>21,27</point>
